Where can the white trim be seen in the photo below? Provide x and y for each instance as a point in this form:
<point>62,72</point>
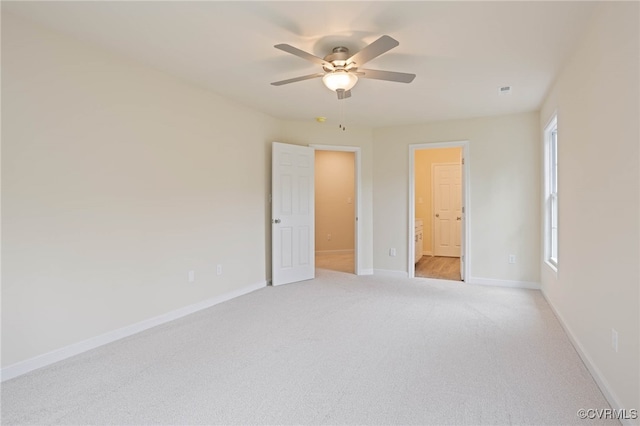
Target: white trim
<point>359,244</point>
<point>554,268</point>
<point>552,117</point>
<point>464,144</point>
<point>366,271</point>
<point>546,194</point>
<point>49,358</point>
<point>390,273</point>
<point>346,251</point>
<point>597,375</point>
<point>504,283</point>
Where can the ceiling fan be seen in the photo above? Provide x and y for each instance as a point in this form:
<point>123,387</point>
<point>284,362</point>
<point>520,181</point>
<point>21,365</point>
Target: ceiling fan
<point>341,70</point>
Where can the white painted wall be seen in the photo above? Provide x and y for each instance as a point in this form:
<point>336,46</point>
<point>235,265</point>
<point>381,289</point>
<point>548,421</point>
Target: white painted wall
<point>597,286</point>
<point>117,180</point>
<point>504,216</point>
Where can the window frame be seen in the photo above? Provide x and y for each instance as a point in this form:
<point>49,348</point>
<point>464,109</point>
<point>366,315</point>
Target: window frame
<point>551,210</point>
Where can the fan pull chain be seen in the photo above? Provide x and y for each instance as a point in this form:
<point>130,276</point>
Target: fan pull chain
<point>341,108</point>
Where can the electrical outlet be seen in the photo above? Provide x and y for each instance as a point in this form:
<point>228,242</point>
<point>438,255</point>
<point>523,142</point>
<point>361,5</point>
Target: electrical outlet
<point>512,258</point>
<point>614,339</point>
<point>191,276</point>
<point>392,252</point>
<point>219,270</point>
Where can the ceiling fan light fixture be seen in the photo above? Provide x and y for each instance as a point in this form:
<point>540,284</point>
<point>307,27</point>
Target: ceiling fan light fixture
<point>339,79</point>
<point>340,69</point>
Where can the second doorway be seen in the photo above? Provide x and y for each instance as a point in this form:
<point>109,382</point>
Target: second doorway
<point>438,213</point>
<point>335,210</point>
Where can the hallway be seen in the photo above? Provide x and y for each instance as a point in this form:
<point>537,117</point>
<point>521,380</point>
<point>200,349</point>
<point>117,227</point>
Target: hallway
<point>445,268</point>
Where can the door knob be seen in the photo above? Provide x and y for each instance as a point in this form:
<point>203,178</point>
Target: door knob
<point>437,214</point>
<point>276,221</point>
<point>458,218</point>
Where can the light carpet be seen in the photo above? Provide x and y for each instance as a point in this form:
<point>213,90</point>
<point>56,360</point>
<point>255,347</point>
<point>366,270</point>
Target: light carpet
<point>339,349</point>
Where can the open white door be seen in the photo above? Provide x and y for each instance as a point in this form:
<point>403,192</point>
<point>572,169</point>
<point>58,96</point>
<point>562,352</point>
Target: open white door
<point>463,228</point>
<point>292,213</point>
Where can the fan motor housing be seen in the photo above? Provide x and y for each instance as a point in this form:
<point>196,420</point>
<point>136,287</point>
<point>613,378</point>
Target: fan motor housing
<point>337,57</point>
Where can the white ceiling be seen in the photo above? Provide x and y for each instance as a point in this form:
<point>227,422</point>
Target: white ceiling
<point>461,52</point>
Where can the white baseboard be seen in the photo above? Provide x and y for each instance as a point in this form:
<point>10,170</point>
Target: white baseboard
<point>503,283</point>
<point>346,251</point>
<point>390,273</point>
<point>366,272</point>
<point>588,362</point>
<point>49,358</point>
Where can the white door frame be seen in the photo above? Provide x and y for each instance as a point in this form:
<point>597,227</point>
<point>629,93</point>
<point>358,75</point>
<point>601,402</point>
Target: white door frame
<point>358,234</point>
<point>412,201</point>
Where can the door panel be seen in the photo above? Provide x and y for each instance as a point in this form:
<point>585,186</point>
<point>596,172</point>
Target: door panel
<point>447,201</point>
<point>292,215</point>
<point>304,237</point>
<point>286,189</point>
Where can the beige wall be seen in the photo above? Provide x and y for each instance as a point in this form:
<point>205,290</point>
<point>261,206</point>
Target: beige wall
<point>504,213</point>
<point>597,285</point>
<point>118,180</point>
<point>335,200</point>
<point>423,162</point>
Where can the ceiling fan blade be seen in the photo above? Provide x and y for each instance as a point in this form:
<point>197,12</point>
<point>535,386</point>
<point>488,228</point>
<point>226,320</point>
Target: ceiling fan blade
<point>400,77</point>
<point>301,53</point>
<point>375,49</point>
<point>343,94</point>
<point>293,80</point>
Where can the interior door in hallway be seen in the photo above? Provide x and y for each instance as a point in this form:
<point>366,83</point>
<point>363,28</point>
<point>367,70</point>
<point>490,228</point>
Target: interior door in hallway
<point>447,209</point>
<point>292,213</point>
<point>463,216</point>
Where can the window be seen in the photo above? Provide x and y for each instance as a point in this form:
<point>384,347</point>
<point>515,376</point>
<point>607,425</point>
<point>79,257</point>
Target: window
<point>551,192</point>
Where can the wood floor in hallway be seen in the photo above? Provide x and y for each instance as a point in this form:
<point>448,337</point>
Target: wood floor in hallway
<point>445,268</point>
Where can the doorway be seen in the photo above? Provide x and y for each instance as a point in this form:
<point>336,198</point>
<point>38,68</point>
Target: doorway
<point>336,208</point>
<point>438,225</point>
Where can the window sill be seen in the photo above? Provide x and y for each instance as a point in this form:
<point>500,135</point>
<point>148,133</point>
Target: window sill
<point>553,267</point>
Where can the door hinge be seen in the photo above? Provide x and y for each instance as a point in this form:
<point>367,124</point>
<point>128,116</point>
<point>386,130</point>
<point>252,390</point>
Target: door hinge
<point>462,209</point>
<point>463,160</point>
